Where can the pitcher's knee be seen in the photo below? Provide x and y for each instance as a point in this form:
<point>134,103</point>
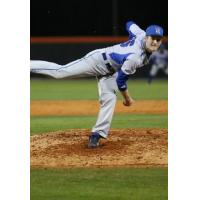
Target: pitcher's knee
<point>58,74</point>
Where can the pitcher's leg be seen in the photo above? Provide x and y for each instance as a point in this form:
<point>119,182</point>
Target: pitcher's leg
<point>78,68</point>
<point>44,67</point>
<point>107,106</point>
<point>107,96</point>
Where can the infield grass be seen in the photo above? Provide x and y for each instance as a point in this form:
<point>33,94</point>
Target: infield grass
<point>99,184</point>
<point>50,89</point>
<point>53,123</point>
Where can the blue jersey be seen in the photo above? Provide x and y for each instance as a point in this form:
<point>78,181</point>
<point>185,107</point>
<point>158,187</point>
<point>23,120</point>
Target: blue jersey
<point>128,56</point>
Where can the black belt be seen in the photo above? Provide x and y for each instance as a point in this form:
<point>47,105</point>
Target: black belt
<point>108,65</point>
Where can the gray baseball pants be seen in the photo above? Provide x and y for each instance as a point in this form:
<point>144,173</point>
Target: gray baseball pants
<point>92,64</point>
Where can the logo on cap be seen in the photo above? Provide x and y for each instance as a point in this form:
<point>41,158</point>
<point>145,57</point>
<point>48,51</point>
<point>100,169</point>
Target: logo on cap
<point>154,30</point>
<point>158,30</point>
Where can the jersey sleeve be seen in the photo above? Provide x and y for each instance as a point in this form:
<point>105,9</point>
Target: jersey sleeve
<point>121,80</point>
<point>133,29</point>
<point>128,68</point>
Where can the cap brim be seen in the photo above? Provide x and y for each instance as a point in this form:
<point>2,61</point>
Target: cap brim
<point>160,36</point>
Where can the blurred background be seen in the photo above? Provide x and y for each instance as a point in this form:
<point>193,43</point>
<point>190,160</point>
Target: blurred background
<point>63,31</point>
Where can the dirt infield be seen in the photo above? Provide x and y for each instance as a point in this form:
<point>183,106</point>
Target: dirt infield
<point>83,107</point>
<point>124,147</point>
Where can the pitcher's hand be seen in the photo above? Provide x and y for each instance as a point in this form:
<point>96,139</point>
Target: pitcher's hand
<point>128,101</point>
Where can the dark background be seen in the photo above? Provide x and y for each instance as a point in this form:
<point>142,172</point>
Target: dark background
<point>89,18</point>
<point>94,17</point>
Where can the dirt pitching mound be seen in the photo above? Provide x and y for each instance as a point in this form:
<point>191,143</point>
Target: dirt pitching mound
<point>124,147</point>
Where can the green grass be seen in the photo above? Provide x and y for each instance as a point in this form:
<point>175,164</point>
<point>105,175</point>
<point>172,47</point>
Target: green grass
<point>96,184</point>
<point>49,124</point>
<point>46,89</point>
<point>99,184</point>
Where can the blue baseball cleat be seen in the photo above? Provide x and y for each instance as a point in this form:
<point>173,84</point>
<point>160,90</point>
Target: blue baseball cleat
<point>94,140</point>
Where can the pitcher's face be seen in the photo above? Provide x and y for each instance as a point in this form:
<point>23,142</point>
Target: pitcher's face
<point>152,43</point>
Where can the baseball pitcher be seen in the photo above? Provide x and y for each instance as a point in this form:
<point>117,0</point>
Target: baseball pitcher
<point>112,66</point>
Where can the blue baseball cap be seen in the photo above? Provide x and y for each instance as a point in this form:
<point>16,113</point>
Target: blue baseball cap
<point>154,30</point>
